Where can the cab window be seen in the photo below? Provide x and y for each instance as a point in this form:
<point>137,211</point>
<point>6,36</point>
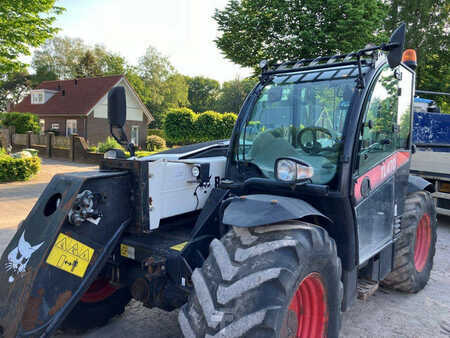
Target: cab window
<point>404,109</point>
<point>377,136</point>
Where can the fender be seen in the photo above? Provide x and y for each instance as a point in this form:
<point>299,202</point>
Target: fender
<point>256,210</point>
<point>417,183</point>
<point>58,252</point>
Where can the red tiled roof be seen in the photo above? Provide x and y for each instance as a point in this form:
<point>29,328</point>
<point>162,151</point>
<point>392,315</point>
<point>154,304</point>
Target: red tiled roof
<point>80,96</point>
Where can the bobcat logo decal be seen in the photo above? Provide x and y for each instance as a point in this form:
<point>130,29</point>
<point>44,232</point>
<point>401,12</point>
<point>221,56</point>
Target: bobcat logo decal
<point>18,258</point>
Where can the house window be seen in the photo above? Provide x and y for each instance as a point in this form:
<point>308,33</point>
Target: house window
<point>37,98</point>
<point>71,127</point>
<point>55,126</point>
<point>135,135</point>
<point>42,126</point>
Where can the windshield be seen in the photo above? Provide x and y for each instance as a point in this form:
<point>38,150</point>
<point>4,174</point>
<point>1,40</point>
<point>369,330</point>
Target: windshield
<point>300,115</point>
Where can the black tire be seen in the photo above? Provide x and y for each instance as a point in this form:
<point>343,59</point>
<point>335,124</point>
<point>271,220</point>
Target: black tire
<point>85,316</point>
<point>408,274</point>
<point>247,283</point>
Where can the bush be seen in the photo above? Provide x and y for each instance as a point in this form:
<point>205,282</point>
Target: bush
<point>155,143</point>
<point>157,132</point>
<point>109,144</point>
<point>183,126</point>
<point>18,169</point>
<point>22,121</point>
<point>179,126</point>
<point>208,126</point>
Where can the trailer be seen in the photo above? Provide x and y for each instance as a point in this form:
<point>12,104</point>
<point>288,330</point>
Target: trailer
<point>431,136</point>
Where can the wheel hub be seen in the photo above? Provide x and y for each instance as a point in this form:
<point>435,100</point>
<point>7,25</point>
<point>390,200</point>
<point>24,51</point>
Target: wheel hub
<point>307,314</point>
<point>423,242</point>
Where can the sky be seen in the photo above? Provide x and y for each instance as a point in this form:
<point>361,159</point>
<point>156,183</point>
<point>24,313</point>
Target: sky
<point>183,30</point>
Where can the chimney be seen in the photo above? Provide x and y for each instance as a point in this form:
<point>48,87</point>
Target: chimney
<point>9,106</point>
<point>63,93</point>
<point>76,82</point>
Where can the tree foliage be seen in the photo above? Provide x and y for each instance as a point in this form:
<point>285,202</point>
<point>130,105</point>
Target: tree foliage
<point>68,58</point>
<point>23,122</point>
<point>253,30</point>
<point>24,24</point>
<point>427,33</point>
<point>13,88</point>
<point>203,93</point>
<point>233,94</point>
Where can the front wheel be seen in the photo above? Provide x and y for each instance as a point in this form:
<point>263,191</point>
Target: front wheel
<point>281,280</point>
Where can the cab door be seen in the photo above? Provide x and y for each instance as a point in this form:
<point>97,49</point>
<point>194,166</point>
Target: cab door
<point>374,174</point>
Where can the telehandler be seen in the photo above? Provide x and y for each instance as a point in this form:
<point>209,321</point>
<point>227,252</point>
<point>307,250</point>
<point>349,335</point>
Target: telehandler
<point>267,234</point>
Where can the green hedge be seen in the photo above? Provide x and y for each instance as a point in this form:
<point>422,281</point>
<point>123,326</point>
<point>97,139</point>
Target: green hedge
<point>18,169</point>
<point>157,132</point>
<point>22,121</point>
<point>183,126</point>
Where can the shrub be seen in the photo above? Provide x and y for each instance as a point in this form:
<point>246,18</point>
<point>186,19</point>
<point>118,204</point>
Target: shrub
<point>22,121</point>
<point>208,126</point>
<point>92,149</point>
<point>179,126</point>
<point>109,144</point>
<point>228,122</point>
<point>155,143</point>
<point>18,169</point>
<point>183,126</point>
<point>157,132</point>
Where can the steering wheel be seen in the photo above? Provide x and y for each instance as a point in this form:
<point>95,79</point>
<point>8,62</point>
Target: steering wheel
<point>311,145</point>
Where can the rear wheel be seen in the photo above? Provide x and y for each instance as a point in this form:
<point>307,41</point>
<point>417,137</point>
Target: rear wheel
<point>281,280</point>
<point>101,302</point>
<point>414,251</point>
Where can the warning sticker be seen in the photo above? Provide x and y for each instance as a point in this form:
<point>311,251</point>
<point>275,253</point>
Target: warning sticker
<point>127,251</point>
<point>179,247</point>
<point>70,255</point>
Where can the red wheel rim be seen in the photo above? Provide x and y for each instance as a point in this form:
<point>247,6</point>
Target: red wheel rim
<point>307,314</point>
<point>423,242</point>
<point>99,290</point>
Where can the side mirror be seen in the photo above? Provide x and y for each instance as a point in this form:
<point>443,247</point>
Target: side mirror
<point>117,107</point>
<point>396,45</point>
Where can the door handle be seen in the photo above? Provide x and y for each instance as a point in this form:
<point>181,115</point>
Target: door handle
<point>365,187</point>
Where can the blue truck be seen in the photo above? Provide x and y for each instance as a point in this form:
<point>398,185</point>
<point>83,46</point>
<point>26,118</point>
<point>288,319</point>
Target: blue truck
<point>431,135</point>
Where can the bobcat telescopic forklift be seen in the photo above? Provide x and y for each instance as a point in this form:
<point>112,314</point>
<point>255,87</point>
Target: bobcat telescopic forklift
<point>264,235</point>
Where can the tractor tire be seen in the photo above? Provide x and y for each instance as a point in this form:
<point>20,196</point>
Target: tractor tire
<point>97,306</point>
<point>281,280</point>
<point>414,251</point>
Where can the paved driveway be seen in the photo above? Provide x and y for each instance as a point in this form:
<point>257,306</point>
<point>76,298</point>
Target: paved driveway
<point>385,314</point>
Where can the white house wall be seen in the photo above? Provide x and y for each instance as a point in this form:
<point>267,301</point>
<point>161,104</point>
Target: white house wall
<point>134,112</point>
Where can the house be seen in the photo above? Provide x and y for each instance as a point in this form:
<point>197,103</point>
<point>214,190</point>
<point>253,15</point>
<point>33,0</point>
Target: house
<point>80,107</point>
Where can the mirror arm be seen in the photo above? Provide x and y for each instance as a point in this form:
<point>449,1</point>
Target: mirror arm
<point>360,81</point>
<point>123,140</point>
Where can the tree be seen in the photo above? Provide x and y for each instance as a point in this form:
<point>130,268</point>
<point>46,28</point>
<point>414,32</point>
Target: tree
<point>70,58</point>
<point>13,88</point>
<point>427,33</point>
<point>203,93</point>
<point>23,122</point>
<point>233,94</point>
<point>253,30</point>
<point>24,24</point>
<point>164,88</point>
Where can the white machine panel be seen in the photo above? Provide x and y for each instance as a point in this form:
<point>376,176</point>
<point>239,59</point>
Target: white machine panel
<point>172,186</point>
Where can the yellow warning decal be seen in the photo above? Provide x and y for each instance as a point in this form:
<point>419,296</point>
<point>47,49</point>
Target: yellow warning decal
<point>127,251</point>
<point>70,255</point>
<point>179,247</point>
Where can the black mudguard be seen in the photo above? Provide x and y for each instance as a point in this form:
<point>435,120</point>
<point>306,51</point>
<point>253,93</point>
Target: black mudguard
<point>50,263</point>
<point>256,210</point>
<point>417,183</point>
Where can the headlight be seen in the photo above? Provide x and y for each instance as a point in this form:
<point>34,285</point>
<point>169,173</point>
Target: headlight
<point>292,170</point>
<point>195,171</point>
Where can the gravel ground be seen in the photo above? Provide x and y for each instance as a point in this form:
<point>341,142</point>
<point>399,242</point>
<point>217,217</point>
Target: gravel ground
<point>386,314</point>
